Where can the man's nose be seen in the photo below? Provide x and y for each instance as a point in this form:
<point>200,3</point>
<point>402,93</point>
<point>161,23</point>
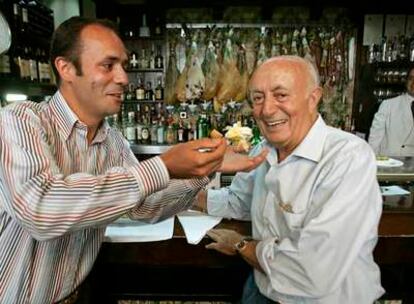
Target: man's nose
<point>269,106</point>
<point>121,77</point>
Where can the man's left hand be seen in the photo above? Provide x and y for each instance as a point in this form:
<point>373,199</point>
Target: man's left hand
<point>225,240</point>
<point>234,161</point>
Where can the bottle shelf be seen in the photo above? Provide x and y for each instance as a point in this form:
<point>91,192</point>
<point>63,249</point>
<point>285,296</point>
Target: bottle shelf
<point>145,70</point>
<point>26,87</point>
<point>132,101</point>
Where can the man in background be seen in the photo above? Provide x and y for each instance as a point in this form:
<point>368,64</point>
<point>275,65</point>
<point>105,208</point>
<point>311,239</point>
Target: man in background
<point>392,130</point>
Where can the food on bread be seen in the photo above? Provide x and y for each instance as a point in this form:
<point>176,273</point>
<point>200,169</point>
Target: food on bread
<point>239,136</point>
<point>215,134</point>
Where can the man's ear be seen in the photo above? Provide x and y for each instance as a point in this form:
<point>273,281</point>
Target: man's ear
<point>315,97</point>
<point>66,69</point>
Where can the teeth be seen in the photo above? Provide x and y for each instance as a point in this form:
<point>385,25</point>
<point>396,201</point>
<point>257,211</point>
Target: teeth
<point>277,122</point>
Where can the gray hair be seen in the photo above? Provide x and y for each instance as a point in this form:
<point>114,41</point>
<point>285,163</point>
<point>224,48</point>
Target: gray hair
<point>310,67</point>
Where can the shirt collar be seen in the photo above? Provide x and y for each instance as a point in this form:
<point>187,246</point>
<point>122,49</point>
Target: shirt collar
<point>67,120</point>
<point>311,146</point>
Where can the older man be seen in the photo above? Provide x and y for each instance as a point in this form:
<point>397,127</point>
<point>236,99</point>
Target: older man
<point>314,204</point>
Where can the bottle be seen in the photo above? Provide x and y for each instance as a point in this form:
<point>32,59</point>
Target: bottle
<point>157,27</point>
<point>160,131</point>
<point>133,60</point>
<point>180,132</point>
<point>149,93</point>
<point>25,65</point>
<point>115,123</point>
<point>5,65</point>
<point>159,60</point>
<point>256,135</point>
<point>145,133</point>
<point>131,131</point>
<point>159,91</point>
<point>169,136</point>
<point>25,19</point>
<point>153,132</point>
<point>17,17</point>
<point>140,91</point>
<point>33,65</point>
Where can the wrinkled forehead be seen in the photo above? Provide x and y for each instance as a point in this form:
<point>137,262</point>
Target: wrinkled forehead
<point>283,73</point>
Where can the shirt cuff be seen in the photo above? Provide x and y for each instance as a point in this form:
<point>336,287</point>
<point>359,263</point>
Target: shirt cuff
<point>215,201</point>
<point>152,175</point>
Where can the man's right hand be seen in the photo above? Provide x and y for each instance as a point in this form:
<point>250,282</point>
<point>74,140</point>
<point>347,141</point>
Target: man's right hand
<point>186,161</point>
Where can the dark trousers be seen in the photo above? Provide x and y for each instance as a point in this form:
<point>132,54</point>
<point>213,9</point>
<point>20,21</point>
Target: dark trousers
<point>252,295</point>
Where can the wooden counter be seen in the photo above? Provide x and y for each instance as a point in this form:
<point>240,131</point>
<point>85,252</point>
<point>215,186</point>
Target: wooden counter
<point>173,269</point>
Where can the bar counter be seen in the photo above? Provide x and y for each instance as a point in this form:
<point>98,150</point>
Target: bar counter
<point>176,270</point>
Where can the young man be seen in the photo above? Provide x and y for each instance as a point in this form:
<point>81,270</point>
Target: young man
<point>392,130</point>
<point>314,203</point>
<point>65,174</point>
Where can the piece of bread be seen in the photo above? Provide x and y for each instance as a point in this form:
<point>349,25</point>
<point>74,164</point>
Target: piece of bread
<point>215,134</point>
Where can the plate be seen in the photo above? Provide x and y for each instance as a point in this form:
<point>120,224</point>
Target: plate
<point>390,162</point>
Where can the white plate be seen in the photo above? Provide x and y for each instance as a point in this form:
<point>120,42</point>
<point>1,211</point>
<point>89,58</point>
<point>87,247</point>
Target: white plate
<point>390,162</point>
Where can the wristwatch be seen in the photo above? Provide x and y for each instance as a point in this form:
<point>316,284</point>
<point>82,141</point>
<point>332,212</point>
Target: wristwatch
<point>243,243</point>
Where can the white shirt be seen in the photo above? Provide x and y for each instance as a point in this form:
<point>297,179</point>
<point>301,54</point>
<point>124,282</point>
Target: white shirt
<point>316,215</point>
<point>392,130</point>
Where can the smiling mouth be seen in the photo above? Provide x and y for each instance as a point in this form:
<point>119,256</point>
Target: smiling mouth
<point>275,123</point>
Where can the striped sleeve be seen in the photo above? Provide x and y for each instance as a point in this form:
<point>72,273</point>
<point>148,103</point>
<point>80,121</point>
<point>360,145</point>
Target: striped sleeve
<point>48,203</point>
<point>178,196</point>
<point>151,175</point>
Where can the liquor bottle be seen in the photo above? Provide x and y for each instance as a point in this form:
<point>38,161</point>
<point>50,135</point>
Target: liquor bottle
<point>25,65</point>
<point>160,131</point>
<point>190,131</point>
<point>158,27</point>
<point>256,136</point>
<point>169,135</point>
<point>131,131</point>
<point>153,131</point>
<point>149,93</point>
<point>130,93</point>
<point>17,17</point>
<point>159,60</point>
<point>133,60</point>
<point>25,19</point>
<point>33,65</point>
<point>152,57</point>
<point>115,123</point>
<point>145,133</point>
<point>140,91</point>
<point>5,65</point>
<point>180,132</point>
<point>159,91</point>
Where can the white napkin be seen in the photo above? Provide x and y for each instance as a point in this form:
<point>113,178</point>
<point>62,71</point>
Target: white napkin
<point>126,230</point>
<point>196,224</point>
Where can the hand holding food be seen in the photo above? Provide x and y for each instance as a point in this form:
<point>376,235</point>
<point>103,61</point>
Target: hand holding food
<point>239,136</point>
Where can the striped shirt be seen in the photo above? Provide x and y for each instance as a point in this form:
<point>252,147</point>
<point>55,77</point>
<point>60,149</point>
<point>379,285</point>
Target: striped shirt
<point>58,193</point>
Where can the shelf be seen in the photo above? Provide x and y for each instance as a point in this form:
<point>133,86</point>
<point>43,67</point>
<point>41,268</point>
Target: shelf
<point>27,87</point>
<point>145,70</point>
<point>142,101</point>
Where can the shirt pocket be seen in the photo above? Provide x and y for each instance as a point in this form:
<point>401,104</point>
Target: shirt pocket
<point>293,214</point>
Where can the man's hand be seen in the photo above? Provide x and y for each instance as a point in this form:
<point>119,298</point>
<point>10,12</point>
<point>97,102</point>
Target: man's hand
<point>235,162</point>
<point>225,240</point>
<point>186,160</point>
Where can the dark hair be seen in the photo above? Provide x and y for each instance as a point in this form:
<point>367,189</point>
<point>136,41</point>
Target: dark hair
<point>66,41</point>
